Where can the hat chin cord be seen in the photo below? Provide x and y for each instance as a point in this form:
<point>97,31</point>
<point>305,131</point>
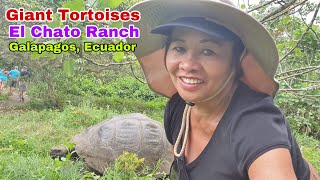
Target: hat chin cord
<point>186,119</point>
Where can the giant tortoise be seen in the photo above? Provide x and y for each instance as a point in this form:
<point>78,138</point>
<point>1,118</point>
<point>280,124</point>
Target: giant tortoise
<point>100,144</point>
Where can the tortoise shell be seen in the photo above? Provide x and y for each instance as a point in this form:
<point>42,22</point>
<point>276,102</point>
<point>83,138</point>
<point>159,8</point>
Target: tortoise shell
<point>102,143</point>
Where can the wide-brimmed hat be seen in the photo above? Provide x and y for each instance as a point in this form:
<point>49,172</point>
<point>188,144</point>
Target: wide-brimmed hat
<point>259,64</point>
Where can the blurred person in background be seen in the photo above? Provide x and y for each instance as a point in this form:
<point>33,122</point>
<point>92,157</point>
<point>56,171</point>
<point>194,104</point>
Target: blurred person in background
<point>13,79</point>
<point>3,77</point>
<point>24,81</point>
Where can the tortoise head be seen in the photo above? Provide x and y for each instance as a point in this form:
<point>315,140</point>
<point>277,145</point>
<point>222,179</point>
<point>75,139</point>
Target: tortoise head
<point>58,152</point>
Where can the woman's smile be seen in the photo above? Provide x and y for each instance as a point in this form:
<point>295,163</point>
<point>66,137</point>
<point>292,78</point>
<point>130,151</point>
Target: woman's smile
<point>191,84</point>
<point>197,63</point>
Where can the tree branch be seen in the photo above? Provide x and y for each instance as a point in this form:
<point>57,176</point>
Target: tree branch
<point>287,83</point>
<point>311,88</point>
<point>287,11</point>
<point>3,38</point>
<point>299,69</point>
<point>310,28</point>
<point>106,65</point>
<point>305,32</point>
<point>278,10</point>
<point>293,75</point>
<point>316,35</point>
<point>134,75</point>
<point>305,80</point>
<point>103,65</point>
<point>262,5</point>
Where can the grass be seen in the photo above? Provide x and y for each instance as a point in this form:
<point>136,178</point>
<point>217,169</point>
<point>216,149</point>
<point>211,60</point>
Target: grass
<point>26,137</point>
<point>25,140</point>
<point>310,149</point>
<point>3,97</point>
<point>35,166</point>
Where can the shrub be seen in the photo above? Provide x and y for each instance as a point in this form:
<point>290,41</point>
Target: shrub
<point>302,113</point>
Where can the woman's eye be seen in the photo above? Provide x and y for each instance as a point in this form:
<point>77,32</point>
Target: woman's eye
<point>179,49</point>
<point>207,52</point>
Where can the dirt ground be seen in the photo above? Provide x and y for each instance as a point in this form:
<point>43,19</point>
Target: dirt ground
<point>13,101</point>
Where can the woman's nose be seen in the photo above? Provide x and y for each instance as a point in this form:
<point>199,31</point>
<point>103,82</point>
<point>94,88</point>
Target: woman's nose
<point>189,63</point>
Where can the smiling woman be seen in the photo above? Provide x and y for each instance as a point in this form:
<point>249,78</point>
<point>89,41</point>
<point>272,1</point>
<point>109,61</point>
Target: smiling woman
<point>190,54</point>
<point>217,64</point>
<point>209,58</point>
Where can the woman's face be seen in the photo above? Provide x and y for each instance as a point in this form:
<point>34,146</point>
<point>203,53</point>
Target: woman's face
<point>197,63</point>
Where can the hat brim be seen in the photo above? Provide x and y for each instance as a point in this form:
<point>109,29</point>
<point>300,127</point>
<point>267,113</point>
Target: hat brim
<point>214,30</point>
<point>150,53</point>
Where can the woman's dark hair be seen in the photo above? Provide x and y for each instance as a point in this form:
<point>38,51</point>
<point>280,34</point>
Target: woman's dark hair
<point>237,51</point>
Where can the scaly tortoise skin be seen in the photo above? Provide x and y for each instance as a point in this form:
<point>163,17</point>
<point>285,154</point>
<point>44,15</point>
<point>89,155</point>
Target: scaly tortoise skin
<point>100,144</point>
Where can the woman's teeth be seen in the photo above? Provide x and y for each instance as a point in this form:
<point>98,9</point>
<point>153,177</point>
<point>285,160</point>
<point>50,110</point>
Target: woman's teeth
<point>191,81</point>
